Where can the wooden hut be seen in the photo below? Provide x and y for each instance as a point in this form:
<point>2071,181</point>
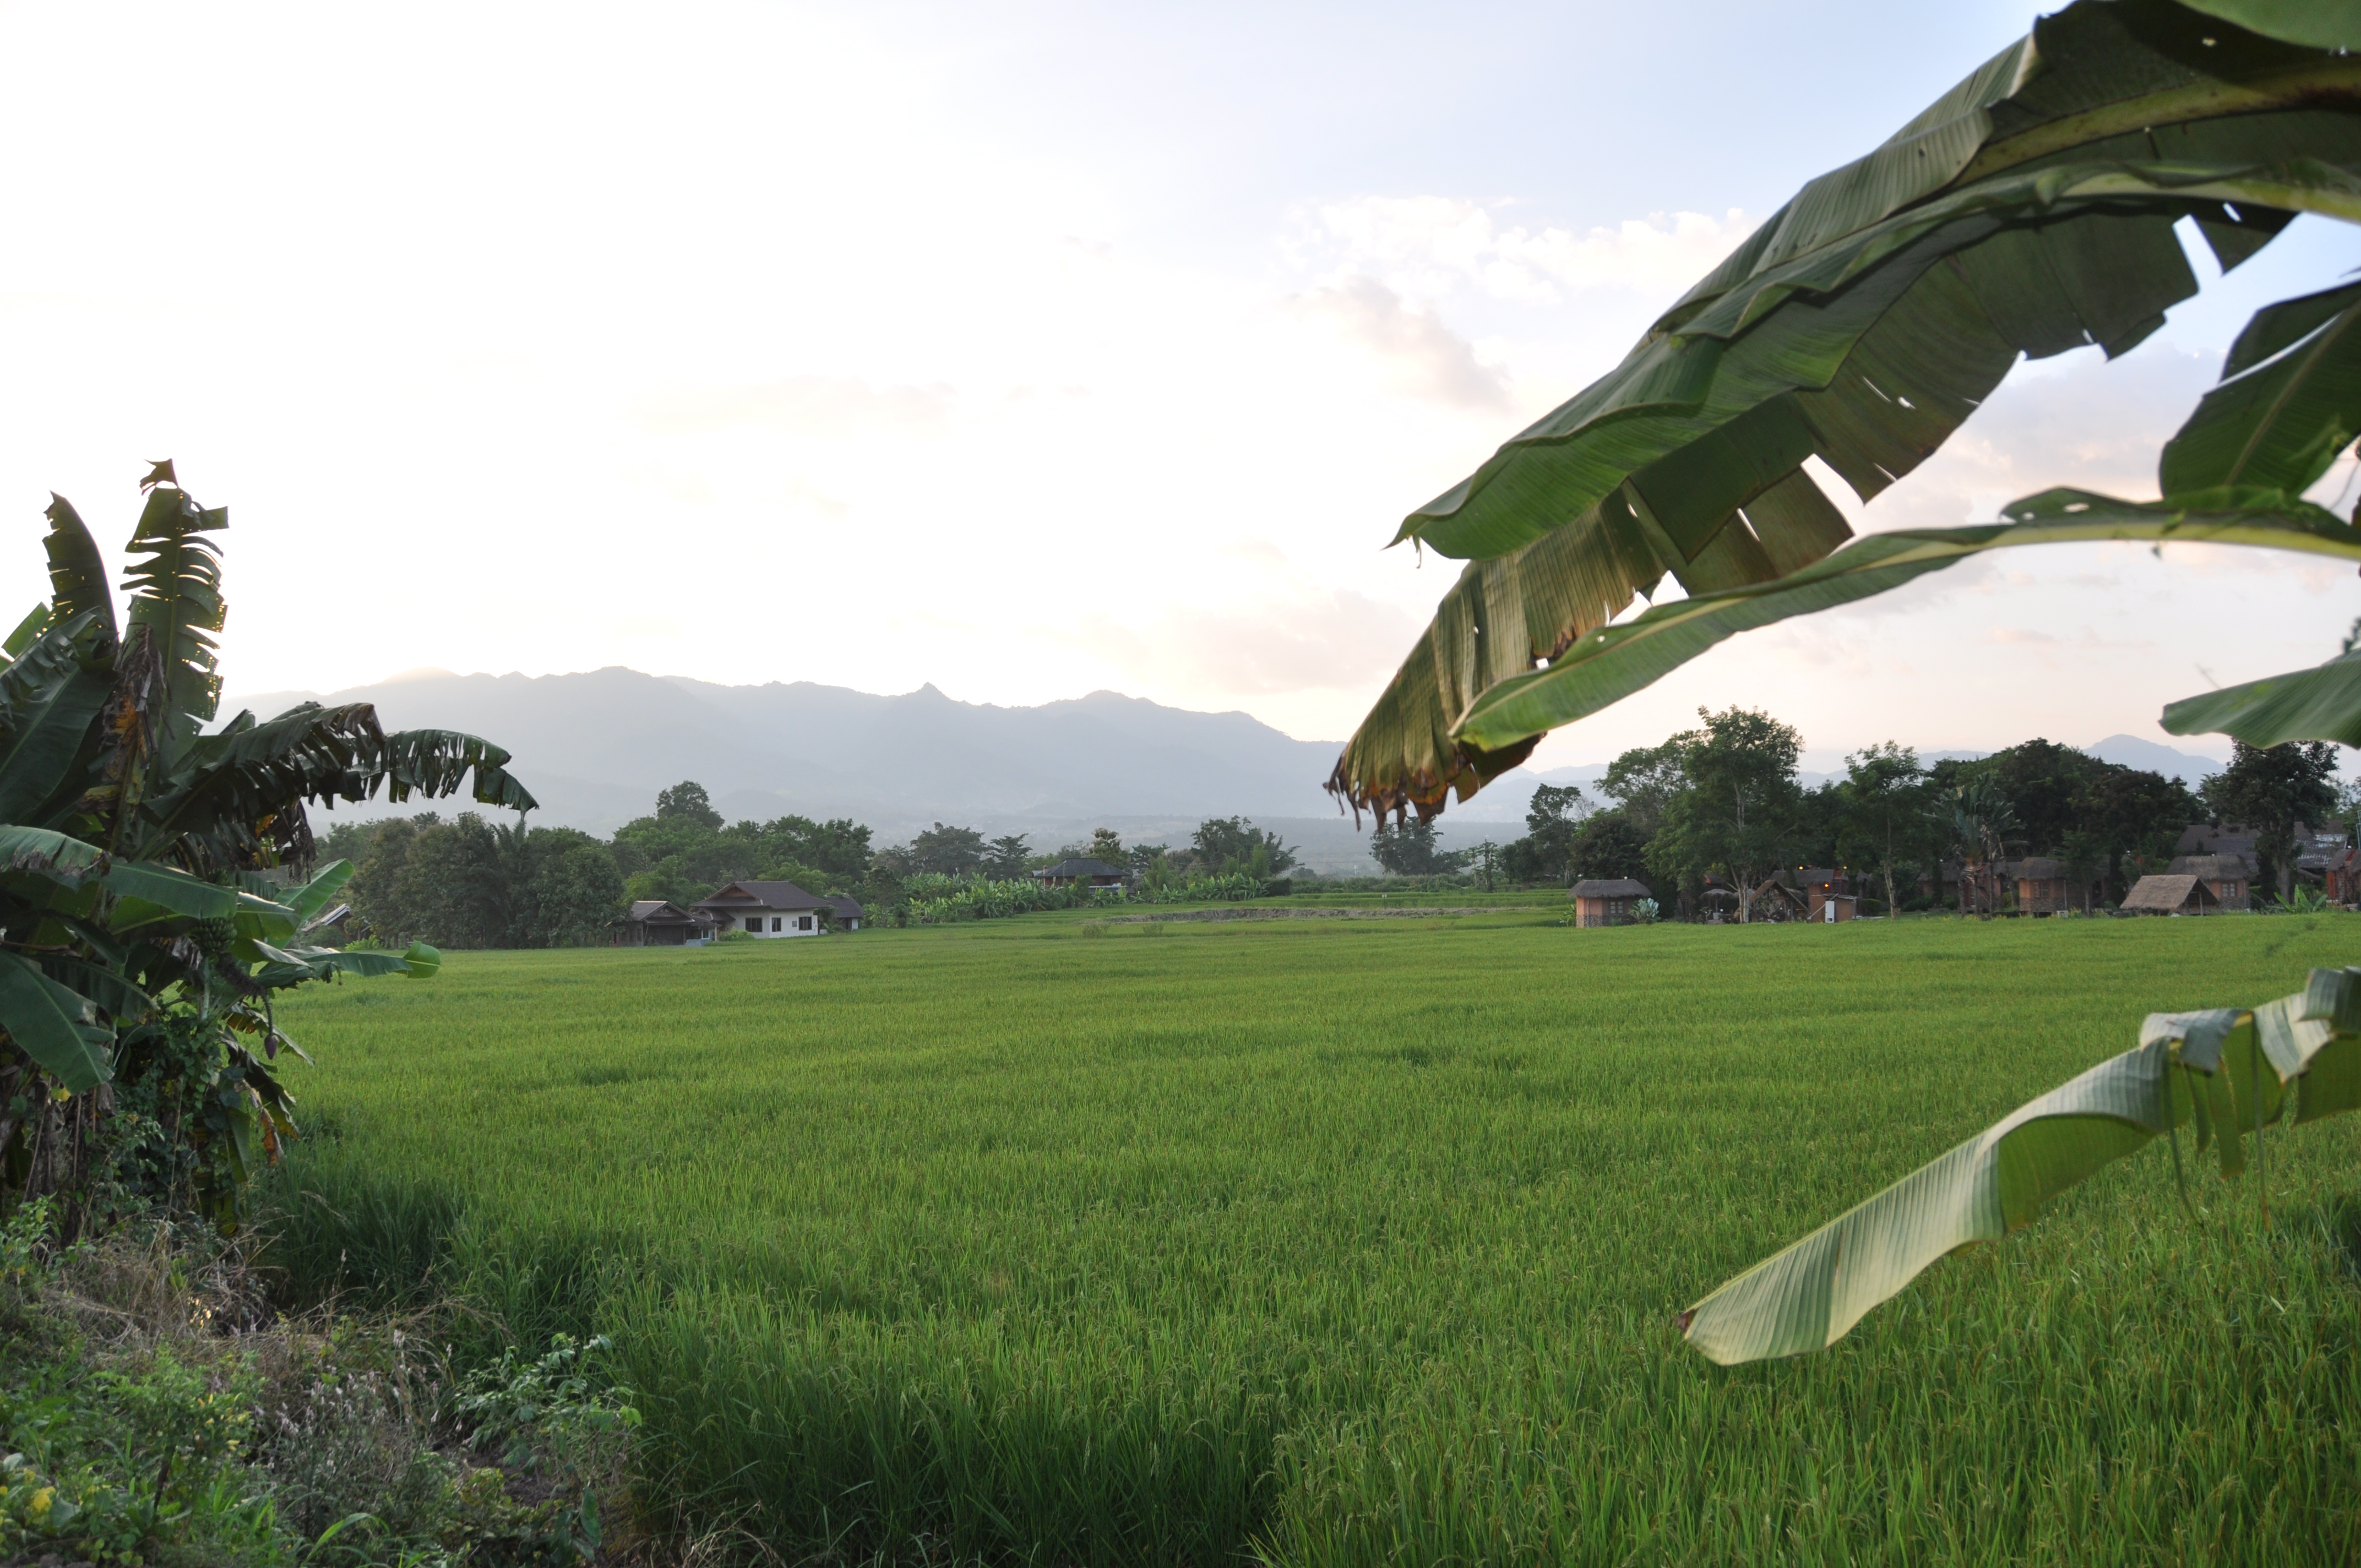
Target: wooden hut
<point>2042,886</point>
<point>2169,894</point>
<point>1606,902</point>
<point>2229,877</point>
<point>658,923</point>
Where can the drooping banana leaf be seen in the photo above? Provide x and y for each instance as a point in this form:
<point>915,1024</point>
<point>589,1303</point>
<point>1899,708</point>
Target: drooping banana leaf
<point>2226,1070</point>
<point>2318,704</point>
<point>2322,24</point>
<point>431,762</point>
<point>1611,663</point>
<point>2288,403</point>
<point>2030,211</point>
<point>52,1025</point>
<point>35,621</point>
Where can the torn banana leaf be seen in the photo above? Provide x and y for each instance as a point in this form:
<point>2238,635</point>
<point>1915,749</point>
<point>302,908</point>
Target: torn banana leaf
<point>2228,1070</point>
<point>1609,665</point>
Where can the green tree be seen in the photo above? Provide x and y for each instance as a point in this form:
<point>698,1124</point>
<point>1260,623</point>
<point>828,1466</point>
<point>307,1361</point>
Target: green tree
<point>1106,845</point>
<point>1643,781</point>
<point>1740,803</point>
<point>1608,847</point>
<point>1407,849</point>
<point>1885,793</point>
<point>1223,845</point>
<point>2270,789</point>
<point>688,801</point>
<point>947,851</point>
<point>1553,817</point>
<point>1005,858</point>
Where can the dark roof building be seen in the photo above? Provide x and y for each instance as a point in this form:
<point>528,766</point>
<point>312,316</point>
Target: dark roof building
<point>1081,869</point>
<point>1609,901</point>
<point>776,909</point>
<point>659,922</point>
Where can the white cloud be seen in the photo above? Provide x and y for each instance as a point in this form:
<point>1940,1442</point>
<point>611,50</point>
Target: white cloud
<point>1423,356</point>
<point>1432,246</point>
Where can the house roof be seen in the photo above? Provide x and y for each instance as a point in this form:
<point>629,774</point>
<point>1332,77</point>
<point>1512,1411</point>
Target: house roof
<point>1611,887</point>
<point>845,908</point>
<point>662,909</point>
<point>2212,868</point>
<point>2040,868</point>
<point>2205,839</point>
<point>1080,866</point>
<point>2166,893</point>
<point>742,895</point>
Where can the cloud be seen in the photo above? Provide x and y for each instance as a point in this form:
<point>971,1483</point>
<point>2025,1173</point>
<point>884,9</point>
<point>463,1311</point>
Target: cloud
<point>803,405</point>
<point>1430,246</point>
<point>1424,356</point>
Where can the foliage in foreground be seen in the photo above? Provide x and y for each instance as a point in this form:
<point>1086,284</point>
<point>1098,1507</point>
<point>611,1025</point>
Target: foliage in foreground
<point>152,1411</point>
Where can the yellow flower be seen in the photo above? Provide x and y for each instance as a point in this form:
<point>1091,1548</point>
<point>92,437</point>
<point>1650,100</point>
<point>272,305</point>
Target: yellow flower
<point>40,1504</point>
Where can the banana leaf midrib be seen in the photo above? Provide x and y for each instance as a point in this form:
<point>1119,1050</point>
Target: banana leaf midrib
<point>2309,83</point>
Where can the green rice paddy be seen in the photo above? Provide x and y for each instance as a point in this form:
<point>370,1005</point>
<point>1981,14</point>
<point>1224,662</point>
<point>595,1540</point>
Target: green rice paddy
<point>1336,1241</point>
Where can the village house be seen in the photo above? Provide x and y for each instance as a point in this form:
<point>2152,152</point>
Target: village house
<point>2171,894</point>
<point>1606,902</point>
<point>1082,870</point>
<point>2228,876</point>
<point>2042,886</point>
<point>660,923</point>
<point>776,909</point>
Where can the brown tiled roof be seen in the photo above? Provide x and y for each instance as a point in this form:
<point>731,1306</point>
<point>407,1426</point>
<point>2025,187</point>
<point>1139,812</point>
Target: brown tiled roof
<point>736,896</point>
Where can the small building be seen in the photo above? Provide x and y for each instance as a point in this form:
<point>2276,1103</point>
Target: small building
<point>2042,886</point>
<point>2169,894</point>
<point>2229,877</point>
<point>1606,902</point>
<point>776,909</point>
<point>659,922</point>
<point>1774,900</point>
<point>1081,870</point>
<point>1828,907</point>
<point>2340,878</point>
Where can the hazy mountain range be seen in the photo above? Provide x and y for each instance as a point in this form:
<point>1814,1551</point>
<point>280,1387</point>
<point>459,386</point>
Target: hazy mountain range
<point>596,747</point>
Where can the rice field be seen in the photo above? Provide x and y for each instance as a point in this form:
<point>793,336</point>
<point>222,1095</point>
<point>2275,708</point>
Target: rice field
<point>1346,1242</point>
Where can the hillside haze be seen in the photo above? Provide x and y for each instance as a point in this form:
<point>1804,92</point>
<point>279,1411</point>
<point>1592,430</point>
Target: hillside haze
<point>596,747</point>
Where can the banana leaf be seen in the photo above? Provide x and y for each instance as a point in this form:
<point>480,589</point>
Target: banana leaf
<point>175,580</point>
<point>2322,24</point>
<point>2288,403</point>
<point>51,1024</point>
<point>2227,1069</point>
<point>1609,665</point>
<point>77,571</point>
<point>2030,211</point>
<point>308,900</point>
<point>2318,704</point>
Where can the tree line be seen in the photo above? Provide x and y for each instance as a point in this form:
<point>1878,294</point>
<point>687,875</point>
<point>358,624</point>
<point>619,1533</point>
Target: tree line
<point>470,882</point>
<point>1723,800</point>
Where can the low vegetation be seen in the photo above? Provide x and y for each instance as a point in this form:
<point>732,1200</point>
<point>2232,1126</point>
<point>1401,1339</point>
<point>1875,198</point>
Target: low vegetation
<point>1348,1241</point>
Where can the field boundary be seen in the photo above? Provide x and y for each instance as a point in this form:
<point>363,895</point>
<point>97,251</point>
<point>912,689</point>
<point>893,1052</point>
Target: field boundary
<point>1326,913</point>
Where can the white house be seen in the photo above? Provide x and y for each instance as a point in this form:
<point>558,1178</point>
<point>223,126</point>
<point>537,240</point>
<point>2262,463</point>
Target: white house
<point>776,909</point>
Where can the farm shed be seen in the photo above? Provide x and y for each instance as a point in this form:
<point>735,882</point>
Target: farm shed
<point>1606,902</point>
<point>2226,876</point>
<point>2340,879</point>
<point>1081,869</point>
<point>776,909</point>
<point>1828,907</point>
<point>2042,886</point>
<point>1774,900</point>
<point>659,922</point>
<point>2171,894</point>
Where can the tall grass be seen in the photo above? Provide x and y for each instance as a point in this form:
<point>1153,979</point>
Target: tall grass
<point>1336,1242</point>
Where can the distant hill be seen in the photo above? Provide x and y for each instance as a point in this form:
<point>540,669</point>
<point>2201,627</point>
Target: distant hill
<point>596,747</point>
<point>2190,768</point>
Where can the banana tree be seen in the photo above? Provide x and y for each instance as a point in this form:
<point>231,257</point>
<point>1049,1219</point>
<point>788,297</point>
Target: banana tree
<point>139,928</point>
<point>2030,211</point>
<point>2027,211</point>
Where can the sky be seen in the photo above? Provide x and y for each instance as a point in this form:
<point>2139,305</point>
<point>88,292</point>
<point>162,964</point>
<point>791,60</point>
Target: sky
<point>1026,349</point>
